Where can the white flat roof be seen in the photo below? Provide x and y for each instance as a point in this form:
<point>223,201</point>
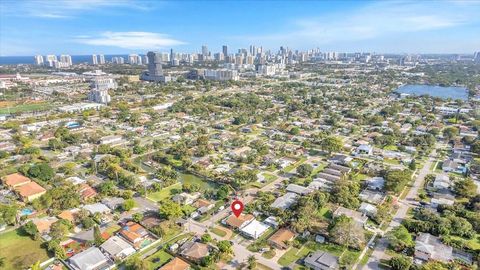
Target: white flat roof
<point>255,229</point>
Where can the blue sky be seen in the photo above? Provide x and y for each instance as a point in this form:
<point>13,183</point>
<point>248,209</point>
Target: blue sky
<point>31,27</point>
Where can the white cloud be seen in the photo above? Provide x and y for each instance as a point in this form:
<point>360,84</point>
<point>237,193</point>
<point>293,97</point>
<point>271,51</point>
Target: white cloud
<point>130,40</point>
<point>60,9</point>
<point>376,20</point>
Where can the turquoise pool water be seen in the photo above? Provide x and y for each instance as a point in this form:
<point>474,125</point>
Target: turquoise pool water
<point>26,212</point>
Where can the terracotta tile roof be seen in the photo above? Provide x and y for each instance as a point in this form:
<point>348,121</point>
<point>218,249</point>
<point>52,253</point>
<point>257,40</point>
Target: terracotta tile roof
<point>16,179</point>
<point>133,231</point>
<point>105,235</point>
<point>68,215</point>
<point>175,264</point>
<point>87,191</point>
<point>235,222</point>
<point>131,236</point>
<point>281,236</point>
<point>30,189</point>
<point>43,225</point>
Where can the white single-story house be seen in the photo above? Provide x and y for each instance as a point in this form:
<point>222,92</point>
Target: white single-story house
<point>368,209</point>
<point>285,201</point>
<point>117,248</point>
<point>254,229</point>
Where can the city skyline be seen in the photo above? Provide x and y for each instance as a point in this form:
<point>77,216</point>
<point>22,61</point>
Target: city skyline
<point>85,27</point>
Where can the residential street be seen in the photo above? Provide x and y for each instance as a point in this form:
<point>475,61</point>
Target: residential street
<point>404,204</point>
<point>240,251</point>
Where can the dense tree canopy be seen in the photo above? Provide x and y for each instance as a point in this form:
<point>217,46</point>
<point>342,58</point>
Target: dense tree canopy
<point>395,180</point>
<point>346,232</point>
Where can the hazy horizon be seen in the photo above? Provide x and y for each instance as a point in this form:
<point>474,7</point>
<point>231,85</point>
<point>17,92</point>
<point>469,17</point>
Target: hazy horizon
<point>86,27</point>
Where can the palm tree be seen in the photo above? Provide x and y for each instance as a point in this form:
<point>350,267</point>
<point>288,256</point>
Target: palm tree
<point>252,262</point>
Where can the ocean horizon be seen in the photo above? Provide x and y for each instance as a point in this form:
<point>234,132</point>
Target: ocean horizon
<point>76,59</point>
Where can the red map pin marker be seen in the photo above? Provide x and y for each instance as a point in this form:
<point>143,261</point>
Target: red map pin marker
<point>237,208</point>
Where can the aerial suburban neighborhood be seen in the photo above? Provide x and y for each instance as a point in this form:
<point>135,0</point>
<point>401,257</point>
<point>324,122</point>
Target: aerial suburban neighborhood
<point>261,158</point>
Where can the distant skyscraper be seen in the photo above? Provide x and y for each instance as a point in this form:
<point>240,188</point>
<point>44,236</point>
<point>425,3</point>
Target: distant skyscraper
<point>155,71</point>
<point>50,60</point>
<point>476,57</point>
<point>250,59</point>
<point>154,64</point>
<point>66,59</point>
<point>219,57</point>
<point>331,56</point>
<point>172,57</point>
<point>94,59</point>
<point>145,60</point>
<point>101,59</point>
<point>118,60</point>
<point>134,59</point>
<point>253,50</point>
<point>38,60</point>
<point>225,51</point>
<point>204,51</point>
<point>239,59</point>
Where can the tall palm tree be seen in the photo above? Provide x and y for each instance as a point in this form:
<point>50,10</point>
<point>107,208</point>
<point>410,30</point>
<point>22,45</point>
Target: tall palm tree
<point>252,262</point>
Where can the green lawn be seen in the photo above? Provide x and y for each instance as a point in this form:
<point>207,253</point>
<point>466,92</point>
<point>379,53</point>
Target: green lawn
<point>390,147</point>
<point>270,177</point>
<point>325,212</point>
<point>269,254</point>
<point>218,232</point>
<point>165,193</point>
<point>391,161</point>
<point>188,209</point>
<point>112,229</point>
<point>158,259</point>
<point>360,177</point>
<point>292,255</point>
<point>328,247</point>
<point>20,251</point>
<point>178,238</point>
<point>26,108</point>
<point>186,178</point>
<point>321,167</point>
<point>171,233</point>
<point>294,165</point>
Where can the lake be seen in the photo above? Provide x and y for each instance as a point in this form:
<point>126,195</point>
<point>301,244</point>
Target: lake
<point>453,92</point>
